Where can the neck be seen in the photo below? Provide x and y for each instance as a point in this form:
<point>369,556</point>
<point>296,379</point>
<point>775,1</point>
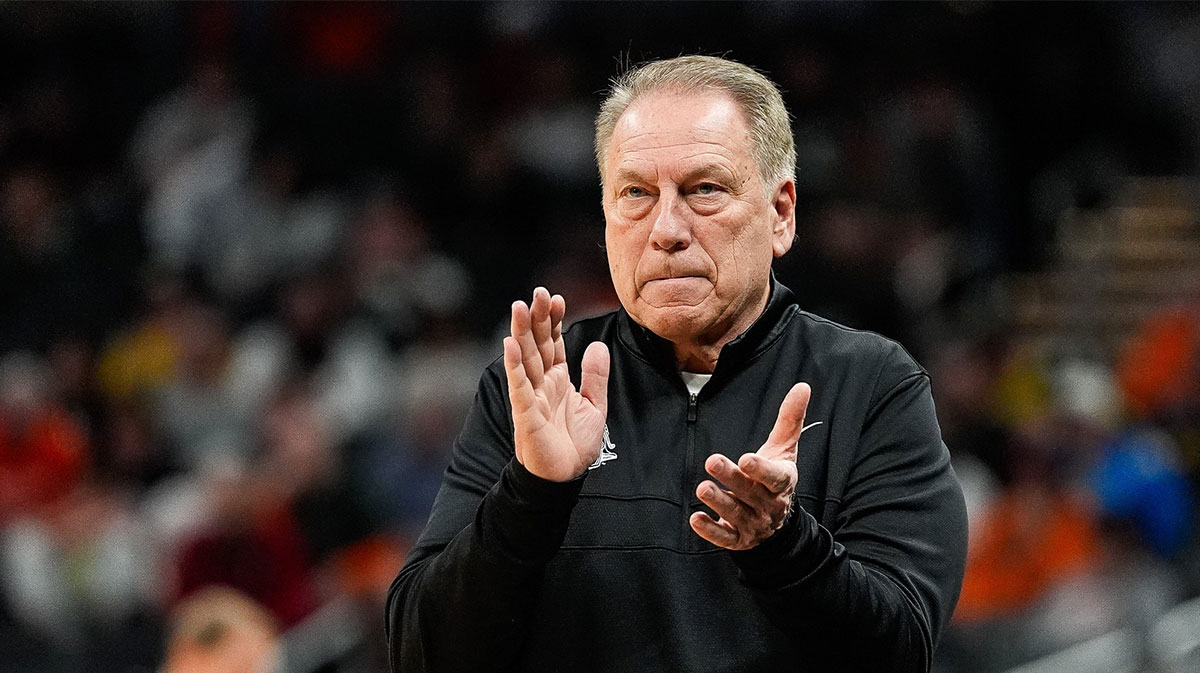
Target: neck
<point>699,356</point>
<point>702,360</point>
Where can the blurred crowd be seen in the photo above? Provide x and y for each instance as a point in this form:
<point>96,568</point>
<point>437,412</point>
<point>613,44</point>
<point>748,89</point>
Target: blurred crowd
<point>253,258</point>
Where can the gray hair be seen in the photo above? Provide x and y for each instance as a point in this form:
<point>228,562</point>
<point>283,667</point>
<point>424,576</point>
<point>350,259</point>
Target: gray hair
<point>772,145</point>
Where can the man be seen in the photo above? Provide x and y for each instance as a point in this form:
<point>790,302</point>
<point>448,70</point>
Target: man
<point>571,532</point>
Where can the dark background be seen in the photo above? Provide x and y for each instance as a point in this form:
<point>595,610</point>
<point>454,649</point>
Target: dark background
<point>253,257</point>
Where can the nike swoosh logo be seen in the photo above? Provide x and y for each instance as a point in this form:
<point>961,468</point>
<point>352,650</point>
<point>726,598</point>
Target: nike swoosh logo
<point>810,425</point>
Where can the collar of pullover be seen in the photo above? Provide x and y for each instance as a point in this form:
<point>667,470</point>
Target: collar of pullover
<point>781,306</point>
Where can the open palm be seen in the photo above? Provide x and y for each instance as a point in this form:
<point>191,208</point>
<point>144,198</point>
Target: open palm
<point>557,429</point>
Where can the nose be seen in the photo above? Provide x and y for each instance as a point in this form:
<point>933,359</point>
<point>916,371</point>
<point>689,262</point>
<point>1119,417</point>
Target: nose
<point>672,229</point>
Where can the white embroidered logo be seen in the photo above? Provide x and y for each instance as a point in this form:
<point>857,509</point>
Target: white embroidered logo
<point>606,450</point>
<point>808,426</point>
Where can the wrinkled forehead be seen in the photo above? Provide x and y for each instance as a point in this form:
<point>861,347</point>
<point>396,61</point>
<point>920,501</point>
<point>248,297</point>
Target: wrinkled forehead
<point>666,120</point>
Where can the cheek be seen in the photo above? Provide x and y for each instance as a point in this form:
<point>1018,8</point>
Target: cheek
<point>745,255</point>
<point>621,258</point>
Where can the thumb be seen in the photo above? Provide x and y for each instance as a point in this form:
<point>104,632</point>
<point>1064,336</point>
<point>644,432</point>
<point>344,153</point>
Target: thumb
<point>783,438</point>
<point>593,376</point>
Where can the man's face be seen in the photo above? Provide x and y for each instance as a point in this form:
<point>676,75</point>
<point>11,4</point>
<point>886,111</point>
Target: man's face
<point>690,228</point>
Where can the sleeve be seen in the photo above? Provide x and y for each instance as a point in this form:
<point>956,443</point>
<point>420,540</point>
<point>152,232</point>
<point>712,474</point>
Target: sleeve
<point>874,592</point>
<point>461,601</point>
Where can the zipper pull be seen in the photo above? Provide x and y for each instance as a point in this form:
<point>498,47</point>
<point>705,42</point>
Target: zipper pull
<point>691,412</point>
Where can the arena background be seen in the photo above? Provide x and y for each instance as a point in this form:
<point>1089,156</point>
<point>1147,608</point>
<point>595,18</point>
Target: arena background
<point>253,258</point>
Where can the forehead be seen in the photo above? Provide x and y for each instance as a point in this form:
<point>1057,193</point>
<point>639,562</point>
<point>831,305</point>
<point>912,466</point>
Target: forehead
<point>680,125</point>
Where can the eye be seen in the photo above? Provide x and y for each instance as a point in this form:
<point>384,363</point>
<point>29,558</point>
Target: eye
<point>635,192</point>
<point>706,188</point>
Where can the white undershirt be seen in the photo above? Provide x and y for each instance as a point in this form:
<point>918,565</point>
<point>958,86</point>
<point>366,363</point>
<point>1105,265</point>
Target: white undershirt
<point>695,381</point>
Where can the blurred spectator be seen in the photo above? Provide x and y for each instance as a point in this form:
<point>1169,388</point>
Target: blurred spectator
<point>220,630</point>
<point>261,229</point>
<point>304,468</point>
<point>83,576</point>
<point>188,148</point>
<point>1139,481</point>
<point>1029,539</point>
<point>553,136</point>
<point>1160,369</point>
<point>250,542</point>
<point>398,279</point>
<point>219,385</point>
<point>398,470</point>
<point>144,356</point>
<point>963,378</point>
<point>43,450</point>
<point>315,340</point>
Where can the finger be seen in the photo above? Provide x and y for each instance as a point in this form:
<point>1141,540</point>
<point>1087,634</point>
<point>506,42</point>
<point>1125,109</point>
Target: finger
<point>781,443</point>
<point>776,476</point>
<point>539,322</point>
<point>722,533</point>
<point>520,390</point>
<point>748,490</point>
<point>530,356</point>
<point>558,310</point>
<point>729,508</point>
<point>593,376</point>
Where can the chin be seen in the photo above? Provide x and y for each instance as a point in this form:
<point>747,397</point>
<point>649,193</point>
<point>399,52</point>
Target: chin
<point>674,323</point>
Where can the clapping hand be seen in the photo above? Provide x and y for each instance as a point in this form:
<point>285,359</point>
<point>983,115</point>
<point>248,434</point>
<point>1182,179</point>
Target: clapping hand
<point>760,485</point>
<point>557,430</point>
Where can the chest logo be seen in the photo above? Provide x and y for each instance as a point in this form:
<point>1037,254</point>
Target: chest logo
<point>606,450</point>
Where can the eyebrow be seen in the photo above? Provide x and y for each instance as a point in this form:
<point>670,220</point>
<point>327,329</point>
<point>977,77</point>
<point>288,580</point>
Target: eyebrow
<point>628,175</point>
<point>710,171</point>
<point>715,172</point>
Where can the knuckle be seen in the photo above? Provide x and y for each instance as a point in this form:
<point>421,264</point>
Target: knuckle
<point>755,470</point>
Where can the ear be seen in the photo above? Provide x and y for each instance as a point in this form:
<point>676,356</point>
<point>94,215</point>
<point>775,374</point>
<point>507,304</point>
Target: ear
<point>783,202</point>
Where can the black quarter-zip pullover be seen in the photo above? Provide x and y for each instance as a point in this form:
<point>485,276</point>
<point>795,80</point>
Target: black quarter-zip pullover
<point>604,573</point>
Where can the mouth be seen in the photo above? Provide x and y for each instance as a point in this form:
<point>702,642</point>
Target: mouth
<point>673,281</point>
<point>675,286</point>
<point>676,290</point>
<point>681,277</point>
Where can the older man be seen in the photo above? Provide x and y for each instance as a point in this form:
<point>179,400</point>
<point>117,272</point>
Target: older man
<point>654,513</point>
